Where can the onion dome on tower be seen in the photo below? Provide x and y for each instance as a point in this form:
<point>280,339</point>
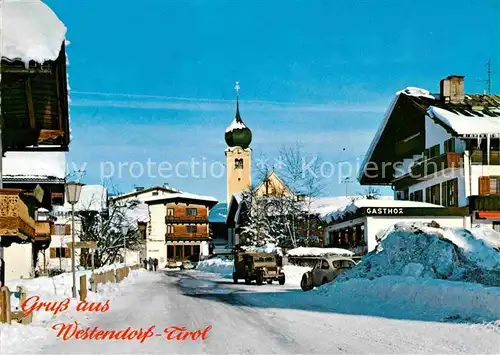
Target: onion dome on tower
<point>238,134</point>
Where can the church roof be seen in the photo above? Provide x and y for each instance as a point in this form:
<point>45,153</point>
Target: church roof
<point>237,133</point>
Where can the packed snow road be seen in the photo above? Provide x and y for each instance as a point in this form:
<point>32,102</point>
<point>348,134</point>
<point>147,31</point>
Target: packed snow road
<point>250,319</point>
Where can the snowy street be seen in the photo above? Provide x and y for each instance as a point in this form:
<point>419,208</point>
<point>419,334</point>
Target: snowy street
<point>250,319</point>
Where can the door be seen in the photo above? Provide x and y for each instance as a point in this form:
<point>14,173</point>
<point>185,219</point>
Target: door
<point>320,271</point>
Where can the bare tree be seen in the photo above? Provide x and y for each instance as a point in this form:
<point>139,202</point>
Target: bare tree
<point>109,227</point>
<point>371,193</point>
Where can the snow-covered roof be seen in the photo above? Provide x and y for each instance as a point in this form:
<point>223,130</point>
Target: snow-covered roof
<point>181,195</point>
<point>303,251</point>
<point>475,123</point>
<point>166,189</point>
<point>375,203</point>
<point>34,165</point>
<point>31,31</point>
<point>235,125</point>
<point>268,248</point>
<point>325,206</point>
<point>92,198</point>
<point>139,213</point>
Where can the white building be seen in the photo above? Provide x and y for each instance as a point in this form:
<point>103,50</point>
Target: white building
<point>357,225</point>
<point>58,255</point>
<point>442,149</point>
<point>179,226</point>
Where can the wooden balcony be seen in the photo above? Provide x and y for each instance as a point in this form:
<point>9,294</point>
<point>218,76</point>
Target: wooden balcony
<point>15,219</point>
<point>43,231</point>
<point>186,219</point>
<point>425,168</point>
<point>484,203</point>
<point>436,164</point>
<point>186,237</point>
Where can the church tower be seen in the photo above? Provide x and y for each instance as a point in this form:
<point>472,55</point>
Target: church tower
<point>238,154</point>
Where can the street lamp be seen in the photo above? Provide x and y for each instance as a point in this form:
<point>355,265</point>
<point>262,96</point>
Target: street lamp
<point>73,190</point>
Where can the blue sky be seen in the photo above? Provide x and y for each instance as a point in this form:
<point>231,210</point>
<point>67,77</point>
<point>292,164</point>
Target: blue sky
<point>153,80</point>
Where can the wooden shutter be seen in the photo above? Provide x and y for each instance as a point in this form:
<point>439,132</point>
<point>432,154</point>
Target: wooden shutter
<point>52,253</point>
<point>444,194</point>
<point>67,253</point>
<point>67,229</point>
<point>52,229</point>
<point>484,185</point>
<point>428,194</point>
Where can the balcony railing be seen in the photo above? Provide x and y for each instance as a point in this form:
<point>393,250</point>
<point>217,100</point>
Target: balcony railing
<point>484,203</point>
<point>435,164</point>
<point>186,236</point>
<point>186,219</point>
<point>15,220</point>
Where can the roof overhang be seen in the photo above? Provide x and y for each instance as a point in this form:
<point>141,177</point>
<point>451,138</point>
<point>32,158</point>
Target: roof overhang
<point>400,135</point>
<point>182,199</point>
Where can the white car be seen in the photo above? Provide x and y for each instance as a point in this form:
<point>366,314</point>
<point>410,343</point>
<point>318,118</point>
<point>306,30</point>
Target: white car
<point>186,265</point>
<point>325,270</point>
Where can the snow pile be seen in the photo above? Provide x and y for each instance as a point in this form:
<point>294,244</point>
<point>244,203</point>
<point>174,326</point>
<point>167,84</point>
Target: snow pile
<point>433,252</point>
<point>268,248</point>
<point>221,266</point>
<point>413,298</point>
<point>293,274</point>
<point>303,251</point>
<point>479,123</point>
<point>31,31</point>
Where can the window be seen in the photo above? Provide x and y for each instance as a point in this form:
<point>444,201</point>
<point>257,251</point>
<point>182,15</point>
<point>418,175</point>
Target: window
<point>170,211</point>
<point>59,253</point>
<point>191,229</point>
<point>434,151</point>
<point>489,185</point>
<point>419,196</point>
<point>324,265</point>
<point>60,229</point>
<point>170,228</point>
<point>435,194</point>
<point>238,163</point>
<point>191,211</point>
<point>451,193</point>
<point>449,145</point>
<point>154,193</point>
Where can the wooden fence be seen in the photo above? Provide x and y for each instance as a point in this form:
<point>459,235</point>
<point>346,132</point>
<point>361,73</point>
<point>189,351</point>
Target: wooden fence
<point>7,315</point>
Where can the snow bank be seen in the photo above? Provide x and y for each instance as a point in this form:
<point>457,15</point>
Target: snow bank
<point>18,338</point>
<point>432,252</point>
<point>303,251</point>
<point>221,266</point>
<point>293,274</point>
<point>31,31</point>
<point>415,298</point>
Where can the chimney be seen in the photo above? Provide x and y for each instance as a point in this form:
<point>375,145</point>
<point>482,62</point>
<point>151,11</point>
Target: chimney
<point>452,89</point>
<point>139,188</point>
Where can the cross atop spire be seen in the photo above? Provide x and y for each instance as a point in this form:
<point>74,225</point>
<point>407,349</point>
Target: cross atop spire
<point>237,88</point>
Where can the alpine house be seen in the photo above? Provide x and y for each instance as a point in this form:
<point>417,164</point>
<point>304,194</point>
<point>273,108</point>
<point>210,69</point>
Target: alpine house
<point>442,149</point>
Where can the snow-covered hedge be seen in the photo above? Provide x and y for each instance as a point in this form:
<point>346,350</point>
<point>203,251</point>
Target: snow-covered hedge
<point>433,252</point>
<point>221,266</point>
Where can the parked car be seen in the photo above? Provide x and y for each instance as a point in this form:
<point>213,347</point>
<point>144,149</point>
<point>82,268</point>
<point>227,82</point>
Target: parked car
<point>173,264</point>
<point>257,266</point>
<point>186,265</point>
<point>325,270</point>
